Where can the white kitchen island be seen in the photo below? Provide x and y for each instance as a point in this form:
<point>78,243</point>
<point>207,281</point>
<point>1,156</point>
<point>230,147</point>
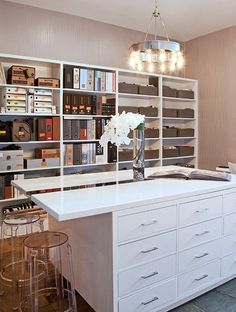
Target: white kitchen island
<point>147,246</point>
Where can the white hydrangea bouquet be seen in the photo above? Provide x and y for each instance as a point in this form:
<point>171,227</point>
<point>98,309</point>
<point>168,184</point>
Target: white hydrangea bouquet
<point>118,128</point>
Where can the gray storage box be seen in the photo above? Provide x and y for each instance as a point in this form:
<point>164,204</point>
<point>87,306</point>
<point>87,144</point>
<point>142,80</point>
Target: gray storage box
<point>169,92</point>
<point>148,90</point>
<point>11,155</point>
<point>170,112</point>
<point>185,94</point>
<point>186,150</point>
<point>151,133</point>
<point>128,88</point>
<point>186,113</point>
<point>188,132</point>
<point>126,155</point>
<point>128,109</point>
<point>170,152</point>
<point>41,163</point>
<point>149,111</point>
<point>170,132</point>
<point>151,154</point>
<point>6,165</point>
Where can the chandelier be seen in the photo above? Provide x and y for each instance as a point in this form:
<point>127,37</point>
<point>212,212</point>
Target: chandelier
<point>156,55</point>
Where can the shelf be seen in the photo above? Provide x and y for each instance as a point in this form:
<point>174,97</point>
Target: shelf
<point>87,165</point>
<point>29,114</point>
<point>130,161</point>
<point>178,118</point>
<point>27,87</point>
<point>28,170</point>
<point>13,199</point>
<point>80,141</point>
<point>89,91</point>
<point>137,96</point>
<point>156,118</point>
<point>179,157</point>
<point>167,98</point>
<point>179,138</point>
<point>68,116</point>
<point>29,142</point>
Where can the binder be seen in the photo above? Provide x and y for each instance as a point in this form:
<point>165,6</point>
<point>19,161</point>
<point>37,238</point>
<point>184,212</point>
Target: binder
<point>99,105</point>
<point>112,153</point>
<point>84,158</point>
<point>83,129</point>
<point>103,81</point>
<point>74,107</point>
<point>67,101</point>
<point>76,78</point>
<point>41,129</point>
<point>83,79</point>
<point>88,105</point>
<point>98,128</point>
<point>68,78</point>
<point>48,129</point>
<point>77,151</point>
<point>81,103</point>
<point>68,154</point>
<point>97,80</point>
<point>93,103</point>
<point>75,129</point>
<point>56,128</point>
<point>67,129</point>
<point>90,79</point>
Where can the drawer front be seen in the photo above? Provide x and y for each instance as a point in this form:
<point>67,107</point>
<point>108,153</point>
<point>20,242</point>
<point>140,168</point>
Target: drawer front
<point>197,278</point>
<point>147,274</point>
<point>197,256</point>
<point>228,245</point>
<point>147,249</point>
<point>229,203</point>
<point>146,223</point>
<point>198,234</point>
<point>150,299</point>
<point>228,265</point>
<point>199,211</point>
<point>230,224</point>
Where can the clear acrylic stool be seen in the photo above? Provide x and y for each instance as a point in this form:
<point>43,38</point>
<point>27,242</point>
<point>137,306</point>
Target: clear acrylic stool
<point>57,288</point>
<point>14,228</point>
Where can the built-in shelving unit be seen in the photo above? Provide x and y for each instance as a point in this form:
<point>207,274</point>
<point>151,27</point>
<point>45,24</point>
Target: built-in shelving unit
<point>51,68</point>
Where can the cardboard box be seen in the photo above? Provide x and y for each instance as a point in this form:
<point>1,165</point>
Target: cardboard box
<point>47,152</point>
<point>185,94</point>
<point>170,152</point>
<point>15,90</point>
<point>43,98</point>
<point>68,155</point>
<point>128,88</point>
<point>186,113</point>
<point>56,128</point>
<point>131,109</point>
<point>44,92</point>
<point>151,154</point>
<point>186,150</point>
<point>24,71</point>
<point>19,80</point>
<point>41,163</point>
<point>11,165</point>
<point>149,111</point>
<point>188,132</point>
<point>170,132</point>
<point>47,82</point>
<point>15,109</point>
<point>151,133</point>
<point>126,155</point>
<point>169,92</point>
<point>11,155</point>
<point>170,112</point>
<point>148,90</point>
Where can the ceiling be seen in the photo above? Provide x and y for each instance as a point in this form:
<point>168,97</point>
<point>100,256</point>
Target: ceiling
<point>185,19</point>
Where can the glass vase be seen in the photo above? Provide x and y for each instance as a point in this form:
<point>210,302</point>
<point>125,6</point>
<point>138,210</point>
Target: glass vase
<point>138,153</point>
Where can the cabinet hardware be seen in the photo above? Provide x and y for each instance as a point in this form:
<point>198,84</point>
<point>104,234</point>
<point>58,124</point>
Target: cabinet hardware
<point>149,275</point>
<point>150,301</point>
<point>149,250</point>
<point>201,211</point>
<point>202,256</point>
<point>203,233</point>
<point>149,223</point>
<point>201,278</point>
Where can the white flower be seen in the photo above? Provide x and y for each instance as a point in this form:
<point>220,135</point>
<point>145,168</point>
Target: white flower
<point>119,126</point>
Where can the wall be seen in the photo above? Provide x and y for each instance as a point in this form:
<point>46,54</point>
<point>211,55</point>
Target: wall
<point>212,60</point>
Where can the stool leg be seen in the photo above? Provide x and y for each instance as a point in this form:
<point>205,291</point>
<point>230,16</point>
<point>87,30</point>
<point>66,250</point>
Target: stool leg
<point>58,279</point>
<point>72,297</point>
<point>1,257</point>
<point>14,257</point>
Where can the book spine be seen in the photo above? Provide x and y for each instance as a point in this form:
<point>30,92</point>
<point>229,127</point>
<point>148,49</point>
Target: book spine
<point>41,129</point>
<point>68,78</point>
<point>99,105</point>
<point>67,129</point>
<point>83,79</point>
<point>48,129</point>
<point>67,103</point>
<point>74,107</point>
<point>56,128</point>
<point>82,107</point>
<point>103,81</point>
<point>69,155</point>
<point>76,82</point>
<point>83,129</point>
<point>90,79</point>
<point>84,154</point>
<point>75,129</point>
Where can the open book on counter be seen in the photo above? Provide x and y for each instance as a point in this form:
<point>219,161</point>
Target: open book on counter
<point>192,174</point>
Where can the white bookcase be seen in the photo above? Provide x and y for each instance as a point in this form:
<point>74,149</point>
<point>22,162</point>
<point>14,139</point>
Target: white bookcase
<point>53,68</point>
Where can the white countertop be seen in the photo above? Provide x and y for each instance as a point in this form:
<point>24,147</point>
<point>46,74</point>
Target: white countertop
<point>92,201</point>
<point>28,186</point>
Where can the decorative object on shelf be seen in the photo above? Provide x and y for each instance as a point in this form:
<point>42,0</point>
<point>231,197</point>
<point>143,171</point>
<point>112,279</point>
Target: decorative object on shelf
<point>117,130</point>
<point>157,55</point>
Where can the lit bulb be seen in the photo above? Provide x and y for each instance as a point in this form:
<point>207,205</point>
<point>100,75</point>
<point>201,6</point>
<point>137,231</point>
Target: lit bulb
<point>155,58</point>
<point>162,56</point>
<point>163,67</point>
<point>149,56</point>
<point>174,57</point>
<point>142,56</point>
<point>151,67</point>
<point>140,66</point>
<point>172,67</point>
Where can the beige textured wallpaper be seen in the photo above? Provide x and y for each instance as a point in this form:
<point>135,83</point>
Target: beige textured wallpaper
<point>212,60</point>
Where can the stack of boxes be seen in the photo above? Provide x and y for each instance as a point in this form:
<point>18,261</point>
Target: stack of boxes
<point>21,75</point>
<point>11,160</point>
<point>43,102</point>
<point>14,100</point>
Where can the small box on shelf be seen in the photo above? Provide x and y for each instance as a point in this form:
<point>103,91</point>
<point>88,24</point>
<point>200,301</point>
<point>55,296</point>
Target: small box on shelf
<point>186,150</point>
<point>151,154</point>
<point>149,111</point>
<point>151,133</point>
<point>169,132</point>
<point>170,151</point>
<point>131,88</point>
<point>185,94</point>
<point>169,92</point>
<point>125,154</point>
<point>186,113</point>
<point>148,90</point>
<point>187,132</point>
<point>170,112</point>
<point>41,163</point>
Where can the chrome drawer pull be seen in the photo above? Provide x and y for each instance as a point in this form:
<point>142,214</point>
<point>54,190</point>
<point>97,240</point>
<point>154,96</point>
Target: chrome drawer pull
<point>149,250</point>
<point>203,233</point>
<point>202,256</point>
<point>150,223</point>
<point>150,301</point>
<point>201,211</point>
<point>149,275</point>
<point>201,278</point>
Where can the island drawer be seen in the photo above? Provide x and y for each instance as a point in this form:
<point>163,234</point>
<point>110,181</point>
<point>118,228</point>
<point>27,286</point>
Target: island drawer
<point>147,274</point>
<point>151,298</point>
<point>146,223</point>
<point>229,203</point>
<point>197,256</point>
<point>197,278</point>
<point>146,249</point>
<point>198,234</point>
<point>228,245</point>
<point>230,224</point>
<point>200,210</point>
<point>228,265</point>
